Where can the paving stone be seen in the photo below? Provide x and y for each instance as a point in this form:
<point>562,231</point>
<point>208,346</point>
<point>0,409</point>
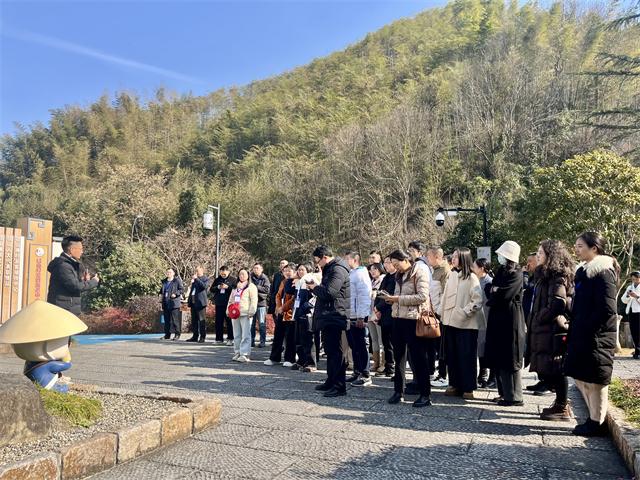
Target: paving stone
<point>561,474</point>
<point>143,469</point>
<point>176,425</point>
<point>138,440</point>
<point>89,456</point>
<point>222,459</point>
<point>317,470</point>
<point>406,437</point>
<point>434,463</point>
<point>563,440</point>
<point>275,425</point>
<point>580,459</point>
<point>288,422</point>
<point>206,413</point>
<point>43,466</point>
<point>316,446</point>
<point>439,408</point>
<point>268,404</point>
<point>232,434</point>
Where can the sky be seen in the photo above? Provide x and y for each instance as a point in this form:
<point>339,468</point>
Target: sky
<point>55,53</point>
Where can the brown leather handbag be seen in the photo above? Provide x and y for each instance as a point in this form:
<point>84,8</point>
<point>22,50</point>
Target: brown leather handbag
<point>427,324</point>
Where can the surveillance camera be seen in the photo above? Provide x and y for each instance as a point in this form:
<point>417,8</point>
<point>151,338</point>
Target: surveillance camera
<point>440,219</point>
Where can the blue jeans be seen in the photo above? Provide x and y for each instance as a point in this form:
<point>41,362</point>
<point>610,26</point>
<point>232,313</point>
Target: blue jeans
<point>357,338</point>
<point>261,318</point>
<point>241,338</point>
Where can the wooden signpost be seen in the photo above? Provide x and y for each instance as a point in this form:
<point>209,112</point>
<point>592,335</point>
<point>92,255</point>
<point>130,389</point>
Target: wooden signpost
<point>25,253</point>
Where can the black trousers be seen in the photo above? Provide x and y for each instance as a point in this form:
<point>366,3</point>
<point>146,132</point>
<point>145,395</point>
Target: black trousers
<point>171,321</point>
<point>335,346</point>
<point>461,346</point>
<point>433,347</point>
<point>304,342</point>
<point>387,333</point>
<point>634,326</point>
<point>221,318</point>
<point>561,385</point>
<point>404,337</point>
<point>442,357</point>
<point>198,322</point>
<point>317,341</point>
<point>510,384</point>
<point>284,337</point>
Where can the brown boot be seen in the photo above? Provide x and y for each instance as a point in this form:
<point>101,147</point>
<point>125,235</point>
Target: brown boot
<point>557,413</point>
<point>376,362</point>
<point>451,392</point>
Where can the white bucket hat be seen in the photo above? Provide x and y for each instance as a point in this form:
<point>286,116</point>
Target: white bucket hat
<point>510,250</point>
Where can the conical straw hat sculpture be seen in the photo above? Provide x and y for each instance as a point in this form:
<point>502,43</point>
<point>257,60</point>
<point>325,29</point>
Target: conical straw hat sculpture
<point>39,322</point>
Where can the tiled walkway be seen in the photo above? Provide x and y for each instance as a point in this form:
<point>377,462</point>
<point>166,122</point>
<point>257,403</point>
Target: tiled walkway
<point>276,426</point>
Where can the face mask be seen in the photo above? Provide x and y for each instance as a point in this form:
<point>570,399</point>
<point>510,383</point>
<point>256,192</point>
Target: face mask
<point>502,260</point>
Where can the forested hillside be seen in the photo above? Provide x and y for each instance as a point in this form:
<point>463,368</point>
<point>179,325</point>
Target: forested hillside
<point>469,104</point>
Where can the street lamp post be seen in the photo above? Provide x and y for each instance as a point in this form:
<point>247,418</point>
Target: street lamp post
<point>207,224</point>
<point>452,211</point>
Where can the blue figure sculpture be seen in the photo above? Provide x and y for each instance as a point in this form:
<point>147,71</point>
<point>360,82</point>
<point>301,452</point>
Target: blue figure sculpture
<point>39,334</point>
<point>46,374</point>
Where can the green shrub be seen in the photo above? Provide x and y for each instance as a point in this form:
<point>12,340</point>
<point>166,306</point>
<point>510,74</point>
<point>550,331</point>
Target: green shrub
<point>625,394</point>
<point>78,411</point>
<point>131,270</point>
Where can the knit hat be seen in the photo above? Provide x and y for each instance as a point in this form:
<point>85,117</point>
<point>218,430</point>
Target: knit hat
<point>510,250</point>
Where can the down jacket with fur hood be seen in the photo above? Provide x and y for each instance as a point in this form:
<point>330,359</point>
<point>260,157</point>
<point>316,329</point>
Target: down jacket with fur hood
<point>591,340</point>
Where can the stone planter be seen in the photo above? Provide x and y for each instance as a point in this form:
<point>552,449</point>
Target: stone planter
<point>104,450</point>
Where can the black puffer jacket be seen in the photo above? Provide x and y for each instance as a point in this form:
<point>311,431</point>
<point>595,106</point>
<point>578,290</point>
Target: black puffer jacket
<point>333,295</point>
<point>388,285</point>
<point>66,284</point>
<point>592,333</point>
<point>551,303</point>
<point>263,284</point>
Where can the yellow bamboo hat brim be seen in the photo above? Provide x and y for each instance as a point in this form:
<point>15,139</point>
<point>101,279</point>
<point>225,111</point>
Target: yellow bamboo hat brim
<point>39,322</point>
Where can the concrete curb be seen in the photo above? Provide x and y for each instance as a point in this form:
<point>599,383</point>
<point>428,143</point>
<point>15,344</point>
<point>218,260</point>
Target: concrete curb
<point>105,450</point>
<point>626,438</point>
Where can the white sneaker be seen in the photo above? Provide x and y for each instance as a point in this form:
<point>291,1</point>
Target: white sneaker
<point>243,359</point>
<point>268,362</point>
<point>287,364</point>
<point>362,382</point>
<point>229,343</point>
<point>235,357</point>
<point>440,382</point>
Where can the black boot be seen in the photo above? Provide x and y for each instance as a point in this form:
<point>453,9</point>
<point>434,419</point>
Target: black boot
<point>483,376</point>
<point>395,398</point>
<point>422,401</point>
<point>590,428</point>
<point>412,388</point>
<point>193,339</point>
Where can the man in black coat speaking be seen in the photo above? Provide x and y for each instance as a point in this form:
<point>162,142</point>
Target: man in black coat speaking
<point>69,277</point>
<point>332,312</point>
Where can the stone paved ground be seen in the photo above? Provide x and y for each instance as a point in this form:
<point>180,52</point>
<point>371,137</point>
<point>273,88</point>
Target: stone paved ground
<point>275,425</point>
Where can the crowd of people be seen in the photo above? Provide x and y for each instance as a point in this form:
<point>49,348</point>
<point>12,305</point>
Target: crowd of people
<point>556,315</point>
